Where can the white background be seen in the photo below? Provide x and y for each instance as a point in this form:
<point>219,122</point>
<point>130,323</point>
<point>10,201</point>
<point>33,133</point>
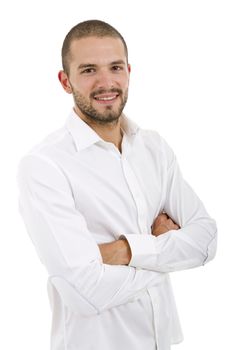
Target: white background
<point>181,85</point>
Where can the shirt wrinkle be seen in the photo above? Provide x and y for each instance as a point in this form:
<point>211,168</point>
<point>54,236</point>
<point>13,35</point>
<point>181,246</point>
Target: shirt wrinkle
<point>73,198</point>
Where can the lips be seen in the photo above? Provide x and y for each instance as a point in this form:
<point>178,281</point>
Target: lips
<point>106,97</point>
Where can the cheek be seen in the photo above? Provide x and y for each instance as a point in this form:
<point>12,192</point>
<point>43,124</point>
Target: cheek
<point>81,84</point>
<point>85,87</point>
<point>124,82</point>
<point>82,89</point>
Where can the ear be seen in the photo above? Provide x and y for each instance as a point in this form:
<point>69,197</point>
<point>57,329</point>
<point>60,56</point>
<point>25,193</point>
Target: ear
<point>129,68</point>
<point>64,80</point>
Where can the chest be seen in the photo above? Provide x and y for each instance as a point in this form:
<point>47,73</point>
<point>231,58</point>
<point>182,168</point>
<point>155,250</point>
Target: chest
<point>117,193</point>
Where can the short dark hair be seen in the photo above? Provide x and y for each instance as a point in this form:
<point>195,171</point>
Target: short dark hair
<point>85,29</point>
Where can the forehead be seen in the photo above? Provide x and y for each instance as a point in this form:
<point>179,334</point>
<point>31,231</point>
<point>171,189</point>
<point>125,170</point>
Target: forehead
<point>97,50</point>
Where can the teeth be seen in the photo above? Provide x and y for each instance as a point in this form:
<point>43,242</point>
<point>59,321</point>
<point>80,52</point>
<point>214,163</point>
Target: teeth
<point>105,98</point>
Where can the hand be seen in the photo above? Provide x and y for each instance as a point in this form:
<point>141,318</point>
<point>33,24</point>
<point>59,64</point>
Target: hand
<point>163,224</point>
<point>116,252</point>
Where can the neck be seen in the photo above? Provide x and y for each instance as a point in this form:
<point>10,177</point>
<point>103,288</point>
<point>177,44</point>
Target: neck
<point>110,132</point>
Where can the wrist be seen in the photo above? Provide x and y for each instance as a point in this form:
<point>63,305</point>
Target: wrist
<point>124,251</point>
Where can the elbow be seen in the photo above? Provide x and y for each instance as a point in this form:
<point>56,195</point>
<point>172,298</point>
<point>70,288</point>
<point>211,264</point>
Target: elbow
<point>211,249</point>
<point>72,298</point>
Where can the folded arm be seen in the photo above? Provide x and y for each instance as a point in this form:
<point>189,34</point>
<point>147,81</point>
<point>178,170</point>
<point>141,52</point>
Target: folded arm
<point>67,248</point>
<point>185,239</point>
<point>194,244</point>
<point>119,252</point>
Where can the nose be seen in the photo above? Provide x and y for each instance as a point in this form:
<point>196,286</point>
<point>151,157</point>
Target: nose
<point>104,80</point>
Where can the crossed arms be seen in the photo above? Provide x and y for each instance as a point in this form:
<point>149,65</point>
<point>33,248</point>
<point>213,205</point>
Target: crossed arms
<point>119,253</point>
<point>90,278</point>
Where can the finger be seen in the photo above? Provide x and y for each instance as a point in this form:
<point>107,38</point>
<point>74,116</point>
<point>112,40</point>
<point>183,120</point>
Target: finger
<point>161,218</point>
<point>164,215</point>
<point>174,227</point>
<point>171,223</point>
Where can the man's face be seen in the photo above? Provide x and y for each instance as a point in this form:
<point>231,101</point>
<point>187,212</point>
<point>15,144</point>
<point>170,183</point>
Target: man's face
<point>99,78</point>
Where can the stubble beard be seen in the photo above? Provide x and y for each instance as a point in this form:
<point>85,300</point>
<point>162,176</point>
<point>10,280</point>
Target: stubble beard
<point>109,116</point>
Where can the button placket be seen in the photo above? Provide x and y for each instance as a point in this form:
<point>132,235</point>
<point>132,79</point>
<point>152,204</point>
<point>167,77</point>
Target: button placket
<point>136,193</point>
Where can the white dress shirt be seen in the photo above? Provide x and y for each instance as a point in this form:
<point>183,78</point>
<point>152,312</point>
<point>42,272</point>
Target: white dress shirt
<point>77,191</point>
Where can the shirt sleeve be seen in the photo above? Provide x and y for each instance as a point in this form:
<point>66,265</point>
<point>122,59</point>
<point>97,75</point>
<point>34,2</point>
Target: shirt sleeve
<point>67,248</point>
<point>192,245</point>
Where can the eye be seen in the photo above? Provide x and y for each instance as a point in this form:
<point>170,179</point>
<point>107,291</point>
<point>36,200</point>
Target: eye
<point>88,71</point>
<point>117,68</point>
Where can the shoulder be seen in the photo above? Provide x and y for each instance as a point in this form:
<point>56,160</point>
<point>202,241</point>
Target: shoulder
<point>55,143</point>
<point>46,154</point>
<point>155,143</point>
<point>151,138</point>
<point>58,139</point>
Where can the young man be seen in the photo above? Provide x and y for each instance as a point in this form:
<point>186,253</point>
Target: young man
<point>108,210</point>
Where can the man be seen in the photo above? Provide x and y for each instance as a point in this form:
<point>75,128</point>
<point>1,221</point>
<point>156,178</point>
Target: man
<point>108,210</point>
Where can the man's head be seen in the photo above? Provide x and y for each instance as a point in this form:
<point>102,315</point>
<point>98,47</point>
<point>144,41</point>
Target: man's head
<point>91,28</point>
<point>96,71</point>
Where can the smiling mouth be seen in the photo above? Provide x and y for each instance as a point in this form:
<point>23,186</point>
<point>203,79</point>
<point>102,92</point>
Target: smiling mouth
<point>106,98</point>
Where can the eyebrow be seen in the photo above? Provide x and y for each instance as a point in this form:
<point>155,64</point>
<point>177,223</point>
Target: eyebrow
<point>117,62</point>
<point>86,65</point>
<point>91,65</point>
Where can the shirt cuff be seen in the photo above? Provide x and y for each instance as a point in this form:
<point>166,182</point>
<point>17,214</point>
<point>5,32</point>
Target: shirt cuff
<point>141,246</point>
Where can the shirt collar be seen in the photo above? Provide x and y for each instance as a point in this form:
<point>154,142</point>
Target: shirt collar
<point>84,136</point>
